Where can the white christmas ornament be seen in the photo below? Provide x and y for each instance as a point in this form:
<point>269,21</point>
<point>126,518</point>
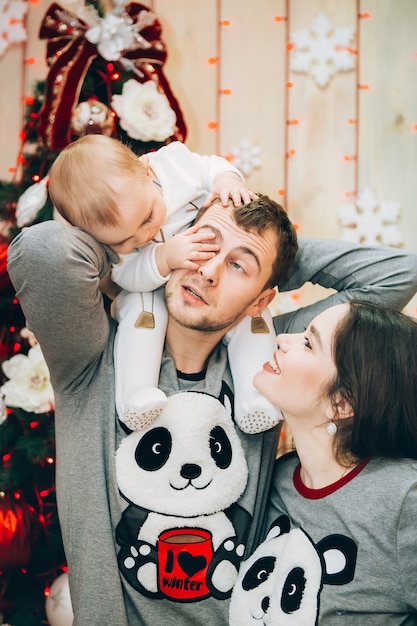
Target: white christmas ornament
<point>247,157</point>
<point>370,221</point>
<point>322,51</point>
<point>12,28</point>
<point>58,604</point>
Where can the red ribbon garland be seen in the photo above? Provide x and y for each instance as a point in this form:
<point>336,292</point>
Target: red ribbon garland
<point>70,55</point>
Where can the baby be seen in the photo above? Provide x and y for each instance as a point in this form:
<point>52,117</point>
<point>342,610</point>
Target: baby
<point>143,208</point>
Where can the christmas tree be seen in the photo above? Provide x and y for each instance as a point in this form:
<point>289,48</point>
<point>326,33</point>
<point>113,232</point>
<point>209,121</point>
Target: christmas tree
<point>105,76</point>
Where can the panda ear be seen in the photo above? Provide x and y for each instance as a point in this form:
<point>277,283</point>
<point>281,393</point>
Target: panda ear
<point>339,559</point>
<point>226,398</point>
<point>280,526</point>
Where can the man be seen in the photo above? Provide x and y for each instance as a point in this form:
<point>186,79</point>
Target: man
<point>56,271</point>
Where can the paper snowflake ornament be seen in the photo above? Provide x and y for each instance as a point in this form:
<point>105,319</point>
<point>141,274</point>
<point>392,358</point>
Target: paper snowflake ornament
<point>370,221</point>
<point>322,51</point>
<point>12,28</point>
<point>246,157</point>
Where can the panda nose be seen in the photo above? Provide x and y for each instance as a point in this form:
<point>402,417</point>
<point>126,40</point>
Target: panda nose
<point>190,470</point>
<point>265,604</point>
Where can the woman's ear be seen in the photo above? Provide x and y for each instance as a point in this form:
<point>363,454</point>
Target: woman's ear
<point>339,409</point>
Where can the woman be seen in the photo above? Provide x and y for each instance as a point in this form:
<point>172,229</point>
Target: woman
<point>342,544</point>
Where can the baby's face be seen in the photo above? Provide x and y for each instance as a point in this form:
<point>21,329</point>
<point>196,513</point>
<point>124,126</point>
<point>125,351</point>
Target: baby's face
<point>142,213</point>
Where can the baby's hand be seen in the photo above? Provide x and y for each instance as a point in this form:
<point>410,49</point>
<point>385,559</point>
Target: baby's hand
<point>229,186</point>
<point>186,250</point>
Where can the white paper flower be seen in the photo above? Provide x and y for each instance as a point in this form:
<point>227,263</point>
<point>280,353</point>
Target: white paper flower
<point>112,35</point>
<point>144,112</point>
<point>29,387</point>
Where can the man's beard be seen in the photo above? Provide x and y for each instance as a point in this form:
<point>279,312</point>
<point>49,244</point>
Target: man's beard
<point>202,324</point>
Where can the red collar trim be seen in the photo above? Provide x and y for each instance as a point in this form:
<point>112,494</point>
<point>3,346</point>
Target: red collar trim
<point>316,494</point>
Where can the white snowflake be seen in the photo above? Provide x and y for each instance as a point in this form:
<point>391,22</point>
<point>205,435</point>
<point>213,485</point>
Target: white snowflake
<point>322,51</point>
<point>370,221</point>
<point>12,28</point>
<point>247,157</point>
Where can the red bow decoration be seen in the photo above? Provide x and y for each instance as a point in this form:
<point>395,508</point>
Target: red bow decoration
<point>70,55</point>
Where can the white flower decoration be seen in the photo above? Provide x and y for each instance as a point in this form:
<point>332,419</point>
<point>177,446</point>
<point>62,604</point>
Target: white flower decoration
<point>144,112</point>
<point>112,35</point>
<point>29,387</point>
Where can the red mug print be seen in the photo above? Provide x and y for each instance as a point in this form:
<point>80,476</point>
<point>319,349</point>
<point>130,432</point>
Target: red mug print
<point>184,555</point>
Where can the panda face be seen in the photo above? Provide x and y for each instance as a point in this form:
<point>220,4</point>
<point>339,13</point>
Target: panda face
<point>190,462</point>
<point>279,584</point>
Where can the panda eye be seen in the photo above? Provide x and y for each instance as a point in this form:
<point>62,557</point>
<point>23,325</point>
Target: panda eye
<point>220,447</point>
<point>154,449</point>
<point>258,573</point>
<point>292,590</point>
<point>262,575</point>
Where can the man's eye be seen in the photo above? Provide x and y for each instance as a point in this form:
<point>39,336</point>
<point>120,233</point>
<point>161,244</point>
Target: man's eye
<point>307,343</point>
<point>150,218</point>
<point>237,266</point>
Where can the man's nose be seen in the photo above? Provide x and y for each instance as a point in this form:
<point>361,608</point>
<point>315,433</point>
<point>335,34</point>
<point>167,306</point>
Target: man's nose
<point>210,270</point>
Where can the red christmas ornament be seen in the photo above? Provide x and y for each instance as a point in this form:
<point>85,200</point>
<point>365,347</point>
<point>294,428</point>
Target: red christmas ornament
<point>20,526</point>
<point>4,276</point>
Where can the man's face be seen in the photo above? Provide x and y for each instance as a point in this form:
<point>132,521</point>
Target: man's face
<point>218,294</point>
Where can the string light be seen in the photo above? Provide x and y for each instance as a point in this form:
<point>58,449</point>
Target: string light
<point>280,18</point>
<point>212,125</point>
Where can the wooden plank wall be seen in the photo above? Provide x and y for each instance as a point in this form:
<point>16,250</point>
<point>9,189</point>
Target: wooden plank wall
<point>230,66</point>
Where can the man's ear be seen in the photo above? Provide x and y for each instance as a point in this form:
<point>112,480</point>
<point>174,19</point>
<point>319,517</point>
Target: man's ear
<point>262,301</point>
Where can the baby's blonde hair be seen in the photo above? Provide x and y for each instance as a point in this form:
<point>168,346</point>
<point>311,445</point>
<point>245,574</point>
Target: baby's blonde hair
<point>80,180</point>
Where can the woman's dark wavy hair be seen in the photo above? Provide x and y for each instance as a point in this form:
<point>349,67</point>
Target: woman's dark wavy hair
<point>375,352</point>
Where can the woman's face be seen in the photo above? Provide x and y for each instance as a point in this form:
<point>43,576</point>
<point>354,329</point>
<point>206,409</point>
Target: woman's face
<point>296,378</point>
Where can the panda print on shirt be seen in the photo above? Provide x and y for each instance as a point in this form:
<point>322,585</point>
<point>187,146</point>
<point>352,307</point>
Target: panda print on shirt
<point>280,583</point>
<point>182,534</point>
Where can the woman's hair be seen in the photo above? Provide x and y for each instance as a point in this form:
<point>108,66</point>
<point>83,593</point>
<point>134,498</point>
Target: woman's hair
<point>375,353</point>
<point>81,177</point>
